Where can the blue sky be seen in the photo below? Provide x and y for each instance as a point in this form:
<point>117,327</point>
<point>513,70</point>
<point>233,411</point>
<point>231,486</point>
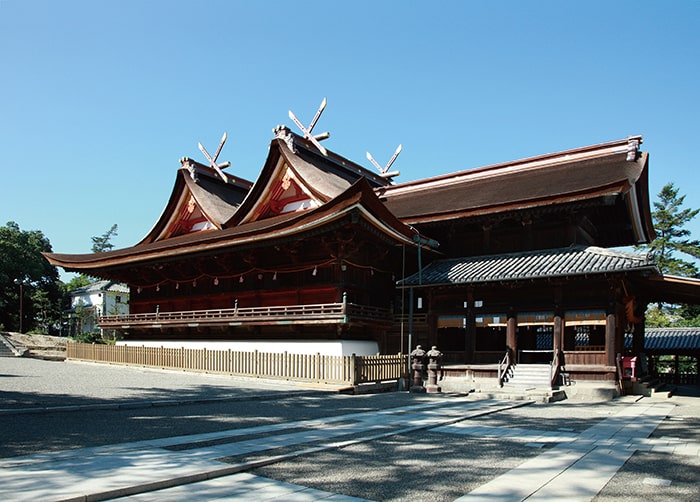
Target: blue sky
<point>99,99</point>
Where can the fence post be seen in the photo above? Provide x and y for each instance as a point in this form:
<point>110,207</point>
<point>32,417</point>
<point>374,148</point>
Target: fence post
<point>354,374</point>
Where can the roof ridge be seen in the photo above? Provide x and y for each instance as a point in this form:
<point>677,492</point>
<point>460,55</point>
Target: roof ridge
<point>528,163</point>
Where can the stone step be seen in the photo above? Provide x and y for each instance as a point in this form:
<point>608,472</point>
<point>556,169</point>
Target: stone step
<point>7,350</point>
<point>529,376</point>
<point>536,395</point>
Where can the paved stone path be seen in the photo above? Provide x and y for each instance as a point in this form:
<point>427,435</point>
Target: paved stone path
<point>115,470</point>
<point>213,465</point>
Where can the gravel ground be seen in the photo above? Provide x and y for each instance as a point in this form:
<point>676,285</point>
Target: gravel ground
<point>28,383</point>
<point>430,466</point>
<point>425,465</point>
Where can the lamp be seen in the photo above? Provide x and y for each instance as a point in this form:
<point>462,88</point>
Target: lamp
<point>21,283</point>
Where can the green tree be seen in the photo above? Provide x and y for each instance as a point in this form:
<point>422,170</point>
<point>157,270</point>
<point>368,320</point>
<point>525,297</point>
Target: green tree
<point>103,242</point>
<point>672,238</point>
<point>21,259</point>
<point>673,241</point>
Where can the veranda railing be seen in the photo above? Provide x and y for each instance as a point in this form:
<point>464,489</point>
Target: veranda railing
<point>317,368</point>
<point>322,311</point>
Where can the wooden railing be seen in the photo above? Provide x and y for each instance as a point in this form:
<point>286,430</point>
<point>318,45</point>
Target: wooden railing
<point>338,312</point>
<point>316,368</point>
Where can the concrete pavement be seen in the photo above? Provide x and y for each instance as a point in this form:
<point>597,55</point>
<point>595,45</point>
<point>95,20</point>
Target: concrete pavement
<point>289,460</point>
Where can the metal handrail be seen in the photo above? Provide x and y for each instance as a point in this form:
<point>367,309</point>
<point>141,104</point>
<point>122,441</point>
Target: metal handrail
<point>555,367</point>
<point>503,367</point>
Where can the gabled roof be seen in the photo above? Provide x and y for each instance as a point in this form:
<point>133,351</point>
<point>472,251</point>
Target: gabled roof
<point>596,172</point>
<point>100,286</point>
<point>322,177</point>
<point>530,265</point>
<point>199,194</point>
<point>358,201</point>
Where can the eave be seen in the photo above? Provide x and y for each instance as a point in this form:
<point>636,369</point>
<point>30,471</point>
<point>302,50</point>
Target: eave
<point>359,200</point>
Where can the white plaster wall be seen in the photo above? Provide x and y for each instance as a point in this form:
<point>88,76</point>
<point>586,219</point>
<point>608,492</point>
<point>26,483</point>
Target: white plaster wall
<point>323,347</point>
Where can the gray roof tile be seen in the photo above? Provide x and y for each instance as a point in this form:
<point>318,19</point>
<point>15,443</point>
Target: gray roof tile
<point>547,263</point>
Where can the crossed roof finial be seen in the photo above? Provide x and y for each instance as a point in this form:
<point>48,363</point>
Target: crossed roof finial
<point>212,160</point>
<point>383,170</point>
<point>315,139</point>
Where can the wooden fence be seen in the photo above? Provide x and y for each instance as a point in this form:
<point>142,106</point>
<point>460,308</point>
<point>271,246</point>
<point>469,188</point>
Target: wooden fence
<point>343,370</point>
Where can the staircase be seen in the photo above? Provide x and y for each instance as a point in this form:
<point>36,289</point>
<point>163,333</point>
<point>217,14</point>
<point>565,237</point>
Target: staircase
<point>529,377</point>
<point>7,349</point>
<point>650,387</point>
<point>527,382</point>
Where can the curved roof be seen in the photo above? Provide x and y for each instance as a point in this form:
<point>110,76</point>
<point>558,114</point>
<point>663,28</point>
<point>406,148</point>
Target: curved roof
<point>359,200</point>
<point>598,171</point>
<point>530,265</point>
<point>326,176</point>
<point>217,199</point>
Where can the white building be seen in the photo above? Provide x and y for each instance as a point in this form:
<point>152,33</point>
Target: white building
<point>96,299</point>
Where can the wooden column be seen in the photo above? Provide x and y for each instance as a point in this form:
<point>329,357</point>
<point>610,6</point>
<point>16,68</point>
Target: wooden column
<point>558,332</point>
<point>470,335</point>
<point>511,338</point>
<point>638,336</point>
<point>610,335</point>
<point>558,329</point>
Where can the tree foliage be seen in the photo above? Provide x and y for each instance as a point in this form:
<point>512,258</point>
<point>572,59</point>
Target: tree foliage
<point>21,259</point>
<point>673,241</point>
<point>103,242</point>
<point>672,238</point>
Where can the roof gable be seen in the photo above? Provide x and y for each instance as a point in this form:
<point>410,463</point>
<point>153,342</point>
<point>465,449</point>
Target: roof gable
<point>285,191</point>
<point>200,200</point>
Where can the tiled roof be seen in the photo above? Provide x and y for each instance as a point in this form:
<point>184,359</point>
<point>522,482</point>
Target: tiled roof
<point>672,339</point>
<point>99,286</point>
<point>547,263</point>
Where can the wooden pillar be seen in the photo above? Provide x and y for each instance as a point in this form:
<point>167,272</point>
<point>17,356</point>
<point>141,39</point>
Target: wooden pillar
<point>470,335</point>
<point>676,376</point>
<point>638,336</point>
<point>610,335</point>
<point>558,332</point>
<point>558,329</point>
<point>511,338</point>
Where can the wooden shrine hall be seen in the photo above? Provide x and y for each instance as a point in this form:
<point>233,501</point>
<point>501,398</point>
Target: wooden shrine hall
<point>515,262</point>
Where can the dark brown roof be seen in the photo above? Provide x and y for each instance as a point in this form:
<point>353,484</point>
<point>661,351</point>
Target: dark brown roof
<point>598,171</point>
<point>326,175</point>
<point>672,289</point>
<point>218,200</point>
<point>360,198</point>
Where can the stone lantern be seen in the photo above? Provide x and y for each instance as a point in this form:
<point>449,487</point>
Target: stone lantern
<point>434,357</point>
<point>417,366</point>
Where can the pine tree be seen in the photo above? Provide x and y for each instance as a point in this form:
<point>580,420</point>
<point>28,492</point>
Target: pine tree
<point>102,243</point>
<point>672,238</point>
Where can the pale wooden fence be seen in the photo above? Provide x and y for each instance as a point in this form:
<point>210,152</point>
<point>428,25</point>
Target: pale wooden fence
<point>347,370</point>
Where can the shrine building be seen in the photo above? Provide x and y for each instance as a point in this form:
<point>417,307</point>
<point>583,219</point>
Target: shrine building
<point>519,261</point>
